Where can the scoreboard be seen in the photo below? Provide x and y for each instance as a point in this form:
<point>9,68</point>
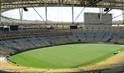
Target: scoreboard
<point>97,19</point>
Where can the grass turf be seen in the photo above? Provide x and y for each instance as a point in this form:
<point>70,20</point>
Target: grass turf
<point>65,56</point>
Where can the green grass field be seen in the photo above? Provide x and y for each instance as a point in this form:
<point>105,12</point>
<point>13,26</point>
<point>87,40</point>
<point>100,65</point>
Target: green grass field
<point>65,56</point>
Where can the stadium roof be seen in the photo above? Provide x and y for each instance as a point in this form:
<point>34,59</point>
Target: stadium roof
<point>10,4</point>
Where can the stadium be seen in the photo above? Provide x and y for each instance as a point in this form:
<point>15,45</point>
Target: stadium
<point>61,36</point>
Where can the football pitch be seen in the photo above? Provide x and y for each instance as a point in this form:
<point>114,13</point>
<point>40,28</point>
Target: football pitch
<point>66,56</point>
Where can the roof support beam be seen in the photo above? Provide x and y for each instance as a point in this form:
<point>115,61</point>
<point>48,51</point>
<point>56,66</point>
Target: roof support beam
<point>46,14</point>
<point>0,12</point>
<point>72,14</point>
<point>123,12</point>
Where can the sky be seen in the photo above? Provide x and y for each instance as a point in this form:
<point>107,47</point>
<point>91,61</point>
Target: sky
<point>58,14</point>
